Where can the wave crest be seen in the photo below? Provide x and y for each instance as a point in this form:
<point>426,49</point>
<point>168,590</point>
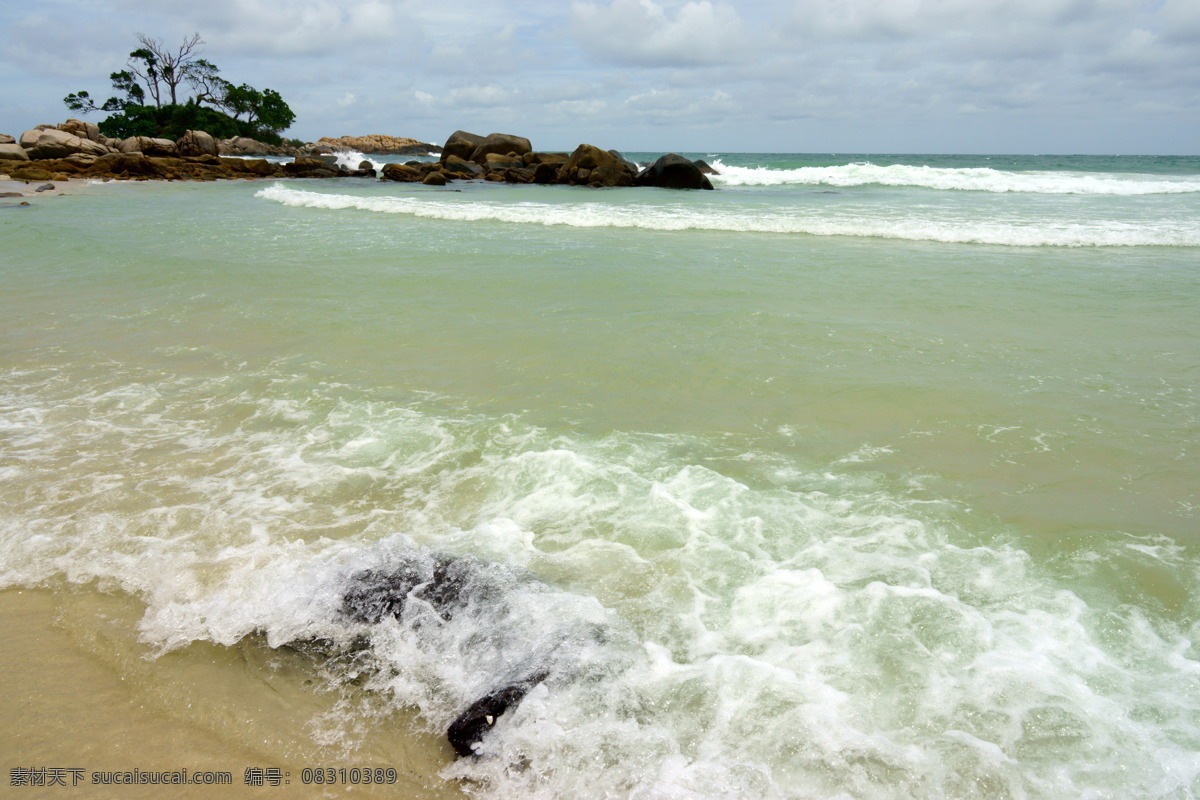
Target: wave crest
<point>782,220</point>
<point>978,179</point>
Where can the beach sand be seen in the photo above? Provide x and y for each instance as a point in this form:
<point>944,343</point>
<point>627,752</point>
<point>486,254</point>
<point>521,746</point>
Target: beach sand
<point>29,189</point>
<point>80,692</point>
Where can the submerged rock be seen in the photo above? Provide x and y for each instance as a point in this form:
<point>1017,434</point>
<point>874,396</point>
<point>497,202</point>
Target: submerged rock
<point>446,586</point>
<point>480,717</point>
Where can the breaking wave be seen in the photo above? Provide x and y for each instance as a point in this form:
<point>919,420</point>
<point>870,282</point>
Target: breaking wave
<point>977,179</point>
<point>933,227</point>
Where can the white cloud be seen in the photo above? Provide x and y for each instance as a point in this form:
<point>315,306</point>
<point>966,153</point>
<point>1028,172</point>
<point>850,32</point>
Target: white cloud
<point>296,27</point>
<point>483,96</point>
<point>641,32</point>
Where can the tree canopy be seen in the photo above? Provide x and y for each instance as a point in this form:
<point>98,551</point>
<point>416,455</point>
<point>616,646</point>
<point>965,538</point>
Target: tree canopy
<point>147,93</point>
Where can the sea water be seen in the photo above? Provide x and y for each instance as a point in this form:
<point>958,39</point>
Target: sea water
<point>858,477</point>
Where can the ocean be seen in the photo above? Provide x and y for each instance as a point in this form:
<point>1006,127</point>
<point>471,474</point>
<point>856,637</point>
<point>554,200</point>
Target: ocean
<point>867,476</point>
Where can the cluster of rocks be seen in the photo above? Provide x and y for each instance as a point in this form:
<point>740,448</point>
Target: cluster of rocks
<point>512,159</point>
<point>78,149</point>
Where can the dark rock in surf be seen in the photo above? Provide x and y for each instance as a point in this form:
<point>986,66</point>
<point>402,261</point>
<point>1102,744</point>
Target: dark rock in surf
<point>595,167</point>
<point>480,717</point>
<point>545,173</point>
<point>401,172</point>
<point>439,581</point>
<point>445,586</point>
<point>673,171</point>
<point>705,167</point>
<point>458,166</point>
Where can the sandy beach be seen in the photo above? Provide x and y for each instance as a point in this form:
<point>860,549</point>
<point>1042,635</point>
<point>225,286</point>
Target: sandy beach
<point>81,693</point>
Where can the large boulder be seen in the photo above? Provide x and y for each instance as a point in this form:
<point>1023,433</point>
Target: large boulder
<point>314,167</point>
<point>196,143</point>
<point>244,146</point>
<point>53,143</point>
<point>500,144</point>
<point>461,144</point>
<point>127,164</point>
<point>589,164</point>
<point>258,167</point>
<point>673,171</point>
<point>611,175</point>
<point>461,167</point>
<point>401,172</point>
<point>148,145</point>
<point>6,139</point>
<point>498,162</point>
<point>30,137</point>
<point>13,152</point>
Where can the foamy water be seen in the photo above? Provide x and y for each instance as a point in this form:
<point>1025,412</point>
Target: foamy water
<point>924,203</point>
<point>784,516</point>
<point>972,179</point>
<point>789,633</point>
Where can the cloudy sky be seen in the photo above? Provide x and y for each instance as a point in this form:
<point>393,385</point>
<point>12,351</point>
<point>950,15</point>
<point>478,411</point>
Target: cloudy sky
<point>866,76</point>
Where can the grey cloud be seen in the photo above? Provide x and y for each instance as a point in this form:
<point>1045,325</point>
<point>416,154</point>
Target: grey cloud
<point>643,33</point>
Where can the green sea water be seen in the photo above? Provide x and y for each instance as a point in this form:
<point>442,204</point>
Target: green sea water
<point>880,474</point>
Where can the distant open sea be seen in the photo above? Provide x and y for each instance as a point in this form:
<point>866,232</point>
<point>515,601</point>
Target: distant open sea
<point>862,476</point>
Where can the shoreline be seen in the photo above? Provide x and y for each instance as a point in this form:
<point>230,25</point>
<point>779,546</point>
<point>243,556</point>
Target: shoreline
<point>82,694</point>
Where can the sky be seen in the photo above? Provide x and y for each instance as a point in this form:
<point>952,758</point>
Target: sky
<point>817,76</point>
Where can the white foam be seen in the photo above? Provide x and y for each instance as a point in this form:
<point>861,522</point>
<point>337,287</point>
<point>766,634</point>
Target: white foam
<point>351,159</point>
<point>717,636</point>
<point>975,179</point>
<point>832,222</point>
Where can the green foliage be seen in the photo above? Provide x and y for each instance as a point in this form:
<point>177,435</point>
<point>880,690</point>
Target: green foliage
<point>155,72</point>
<point>171,121</point>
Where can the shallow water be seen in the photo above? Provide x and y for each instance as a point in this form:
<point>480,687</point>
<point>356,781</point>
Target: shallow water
<point>878,494</point>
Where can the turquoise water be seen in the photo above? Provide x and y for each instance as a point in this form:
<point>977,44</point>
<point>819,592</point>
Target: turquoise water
<point>864,476</point>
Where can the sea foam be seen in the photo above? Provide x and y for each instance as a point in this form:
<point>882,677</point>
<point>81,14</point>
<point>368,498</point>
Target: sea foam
<point>977,179</point>
<point>738,637</point>
<point>915,225</point>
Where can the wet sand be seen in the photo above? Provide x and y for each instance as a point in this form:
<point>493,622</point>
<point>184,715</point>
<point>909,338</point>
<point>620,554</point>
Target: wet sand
<point>79,692</point>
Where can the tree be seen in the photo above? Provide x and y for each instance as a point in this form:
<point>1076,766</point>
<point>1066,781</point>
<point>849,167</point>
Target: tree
<point>161,68</point>
<point>264,110</point>
<point>155,72</point>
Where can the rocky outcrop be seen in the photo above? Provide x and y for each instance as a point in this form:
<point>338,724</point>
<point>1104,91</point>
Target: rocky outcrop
<point>139,166</point>
<point>6,139</point>
<point>508,158</point>
<point>378,144</point>
<point>673,171</point>
<point>78,148</point>
<point>54,143</point>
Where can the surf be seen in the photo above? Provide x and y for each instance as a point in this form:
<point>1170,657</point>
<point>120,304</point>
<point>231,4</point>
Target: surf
<point>965,179</point>
<point>834,220</point>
